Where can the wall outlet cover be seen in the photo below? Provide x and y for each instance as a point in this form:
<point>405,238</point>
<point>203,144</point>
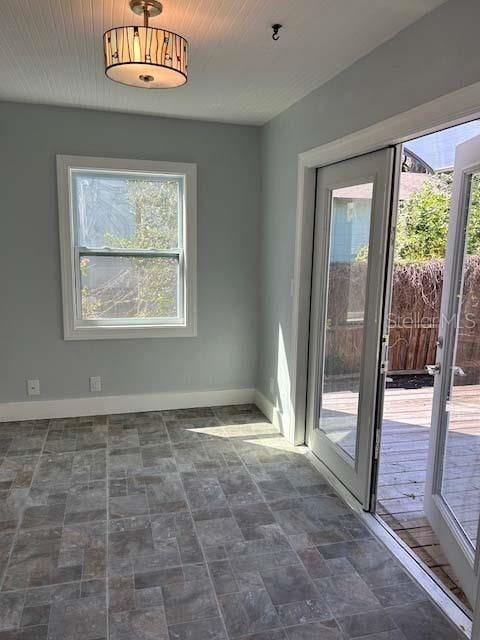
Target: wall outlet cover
<point>33,387</point>
<point>95,384</point>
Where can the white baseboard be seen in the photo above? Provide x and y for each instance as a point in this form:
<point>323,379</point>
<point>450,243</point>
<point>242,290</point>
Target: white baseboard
<point>269,410</point>
<point>102,405</point>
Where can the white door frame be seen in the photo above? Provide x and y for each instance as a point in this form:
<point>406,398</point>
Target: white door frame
<point>455,108</point>
<point>462,557</point>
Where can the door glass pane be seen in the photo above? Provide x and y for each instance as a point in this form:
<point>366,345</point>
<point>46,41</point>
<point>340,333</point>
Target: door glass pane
<point>461,473</point>
<point>351,209</point>
<point>128,287</point>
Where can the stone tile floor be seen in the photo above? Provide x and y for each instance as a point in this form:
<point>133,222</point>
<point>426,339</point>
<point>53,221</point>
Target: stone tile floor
<point>196,524</point>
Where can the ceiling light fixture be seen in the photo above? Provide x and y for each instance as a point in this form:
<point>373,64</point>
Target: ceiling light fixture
<point>145,56</point>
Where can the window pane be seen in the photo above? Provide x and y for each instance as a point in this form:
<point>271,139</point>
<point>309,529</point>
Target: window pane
<point>127,210</point>
<point>128,287</point>
<point>461,468</point>
<point>347,279</point>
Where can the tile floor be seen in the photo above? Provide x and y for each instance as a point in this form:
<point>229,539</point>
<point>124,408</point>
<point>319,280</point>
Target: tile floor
<point>197,524</point>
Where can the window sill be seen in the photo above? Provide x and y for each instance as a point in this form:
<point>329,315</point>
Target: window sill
<point>129,332</point>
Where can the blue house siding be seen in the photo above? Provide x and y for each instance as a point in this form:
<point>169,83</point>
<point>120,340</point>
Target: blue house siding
<point>350,228</point>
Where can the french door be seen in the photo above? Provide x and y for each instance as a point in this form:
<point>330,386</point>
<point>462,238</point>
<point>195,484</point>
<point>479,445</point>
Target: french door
<point>452,496</point>
<point>353,206</point>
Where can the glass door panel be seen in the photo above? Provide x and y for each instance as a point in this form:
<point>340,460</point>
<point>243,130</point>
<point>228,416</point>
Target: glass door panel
<point>461,467</point>
<point>350,248</point>
<point>351,209</point>
<point>452,494</point>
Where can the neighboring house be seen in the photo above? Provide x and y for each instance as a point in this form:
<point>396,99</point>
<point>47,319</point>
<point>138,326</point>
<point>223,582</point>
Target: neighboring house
<point>423,157</point>
<point>352,215</point>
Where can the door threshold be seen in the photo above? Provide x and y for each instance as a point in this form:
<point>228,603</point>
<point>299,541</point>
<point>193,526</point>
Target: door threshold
<point>395,539</point>
<point>416,569</point>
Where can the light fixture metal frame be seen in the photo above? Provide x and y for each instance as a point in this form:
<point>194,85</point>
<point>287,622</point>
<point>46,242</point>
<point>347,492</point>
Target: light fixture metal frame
<point>146,8</point>
<point>149,9</point>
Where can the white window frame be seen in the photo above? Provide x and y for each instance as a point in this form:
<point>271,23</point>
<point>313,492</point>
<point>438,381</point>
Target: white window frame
<point>73,326</point>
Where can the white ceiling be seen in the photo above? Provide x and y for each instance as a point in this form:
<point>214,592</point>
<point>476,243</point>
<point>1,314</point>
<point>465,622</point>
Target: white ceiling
<point>51,52</point>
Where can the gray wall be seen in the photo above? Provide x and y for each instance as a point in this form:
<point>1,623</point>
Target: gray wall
<point>224,355</point>
<point>435,56</point>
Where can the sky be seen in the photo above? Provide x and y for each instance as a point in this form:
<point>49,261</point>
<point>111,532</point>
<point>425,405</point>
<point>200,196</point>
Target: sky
<point>438,149</point>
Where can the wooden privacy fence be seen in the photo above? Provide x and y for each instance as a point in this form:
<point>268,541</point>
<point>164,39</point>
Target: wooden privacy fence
<point>414,317</point>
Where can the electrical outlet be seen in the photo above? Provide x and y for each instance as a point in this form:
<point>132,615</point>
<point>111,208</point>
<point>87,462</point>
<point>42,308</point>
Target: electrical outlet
<point>95,384</point>
<point>33,387</point>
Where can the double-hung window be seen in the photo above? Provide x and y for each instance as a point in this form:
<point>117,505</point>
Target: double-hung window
<point>128,247</point>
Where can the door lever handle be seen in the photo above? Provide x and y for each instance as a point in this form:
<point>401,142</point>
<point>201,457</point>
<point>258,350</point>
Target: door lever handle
<point>458,371</point>
<point>433,369</point>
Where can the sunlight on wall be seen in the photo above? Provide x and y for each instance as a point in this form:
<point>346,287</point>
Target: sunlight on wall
<point>284,411</point>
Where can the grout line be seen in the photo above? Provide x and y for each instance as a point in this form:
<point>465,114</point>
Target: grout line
<point>390,541</point>
<point>333,616</point>
<point>264,501</point>
<point>243,465</point>
<point>200,544</point>
<point>107,531</point>
<point>20,519</point>
<point>149,515</point>
<point>295,551</point>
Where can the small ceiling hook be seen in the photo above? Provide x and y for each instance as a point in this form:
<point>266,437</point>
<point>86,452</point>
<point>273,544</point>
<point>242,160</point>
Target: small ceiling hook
<point>276,28</point>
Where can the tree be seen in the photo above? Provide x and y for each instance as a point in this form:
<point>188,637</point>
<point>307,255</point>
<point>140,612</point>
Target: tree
<point>422,225</point>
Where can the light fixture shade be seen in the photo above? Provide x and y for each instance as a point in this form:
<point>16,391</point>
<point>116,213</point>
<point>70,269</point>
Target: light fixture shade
<point>145,57</point>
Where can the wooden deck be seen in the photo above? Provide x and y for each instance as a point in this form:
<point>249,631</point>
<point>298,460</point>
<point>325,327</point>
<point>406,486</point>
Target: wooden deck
<point>403,464</point>
<point>403,467</point>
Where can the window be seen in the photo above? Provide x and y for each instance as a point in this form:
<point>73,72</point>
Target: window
<point>128,248</point>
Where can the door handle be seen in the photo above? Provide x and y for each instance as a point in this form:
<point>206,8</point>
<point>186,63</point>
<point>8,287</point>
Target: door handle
<point>458,371</point>
<point>433,369</point>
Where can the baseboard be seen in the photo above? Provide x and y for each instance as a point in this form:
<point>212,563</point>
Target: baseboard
<point>269,410</point>
<point>101,405</point>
